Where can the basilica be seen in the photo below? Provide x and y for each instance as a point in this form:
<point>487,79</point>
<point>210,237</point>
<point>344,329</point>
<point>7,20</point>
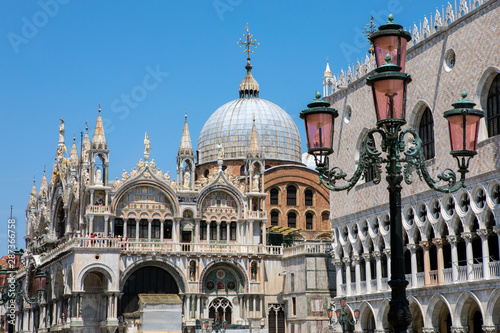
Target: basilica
<point>224,242</point>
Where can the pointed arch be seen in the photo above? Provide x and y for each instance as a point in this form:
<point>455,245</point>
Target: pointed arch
<point>492,314</point>
<point>463,305</point>
<point>434,307</point>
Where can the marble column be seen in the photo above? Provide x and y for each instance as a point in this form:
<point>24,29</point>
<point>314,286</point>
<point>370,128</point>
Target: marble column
<point>467,236</point>
<point>347,266</point>
<point>357,274</point>
<point>440,260</point>
<point>452,239</point>
<point>218,231</point>
<point>425,245</point>
<point>208,231</point>
<point>91,225</point>
<point>413,256</point>
<point>483,233</point>
<point>106,226</point>
<point>125,228</point>
<point>368,272</point>
<point>496,229</point>
<point>162,229</point>
<point>338,273</point>
<point>136,229</point>
<point>149,229</point>
<point>388,257</point>
<point>378,267</point>
<point>264,233</point>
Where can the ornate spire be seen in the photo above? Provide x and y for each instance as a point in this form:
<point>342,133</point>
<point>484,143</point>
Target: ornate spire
<point>254,147</point>
<point>328,72</point>
<point>43,186</point>
<point>73,158</point>
<point>99,140</point>
<point>32,201</point>
<point>248,87</point>
<point>185,147</point>
<point>86,144</point>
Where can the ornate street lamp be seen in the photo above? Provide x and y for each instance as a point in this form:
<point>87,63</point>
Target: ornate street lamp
<point>16,261</point>
<point>10,291</point>
<point>342,316</point>
<point>401,157</point>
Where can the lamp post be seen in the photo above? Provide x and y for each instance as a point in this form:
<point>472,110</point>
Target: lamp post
<point>342,316</point>
<point>218,325</point>
<point>10,291</point>
<point>401,154</point>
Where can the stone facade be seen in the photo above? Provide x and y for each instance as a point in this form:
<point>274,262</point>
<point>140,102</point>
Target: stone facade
<point>452,257</point>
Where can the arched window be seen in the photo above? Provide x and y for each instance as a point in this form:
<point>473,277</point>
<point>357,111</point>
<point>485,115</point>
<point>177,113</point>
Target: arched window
<point>309,221</point>
<point>275,216</point>
<point>223,231</point>
<point>492,109</point>
<point>203,230</point>
<point>242,170</point>
<point>274,196</point>
<point>233,231</point>
<point>308,198</point>
<point>292,220</point>
<point>426,133</point>
<point>155,229</point>
<point>291,195</point>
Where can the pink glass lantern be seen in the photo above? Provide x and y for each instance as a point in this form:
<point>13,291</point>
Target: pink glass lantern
<point>389,94</point>
<point>390,39</point>
<point>319,122</point>
<point>463,124</point>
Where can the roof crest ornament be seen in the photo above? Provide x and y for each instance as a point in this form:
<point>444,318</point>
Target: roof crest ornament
<point>248,87</point>
<point>147,146</point>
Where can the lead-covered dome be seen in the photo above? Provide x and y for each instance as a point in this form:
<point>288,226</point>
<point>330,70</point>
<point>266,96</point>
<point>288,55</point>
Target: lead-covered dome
<point>232,125</point>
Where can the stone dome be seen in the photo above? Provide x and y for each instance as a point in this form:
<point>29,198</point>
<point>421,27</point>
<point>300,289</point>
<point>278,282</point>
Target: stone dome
<point>231,124</point>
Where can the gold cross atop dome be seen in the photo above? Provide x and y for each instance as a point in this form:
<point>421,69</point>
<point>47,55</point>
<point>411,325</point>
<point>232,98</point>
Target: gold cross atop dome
<point>248,43</point>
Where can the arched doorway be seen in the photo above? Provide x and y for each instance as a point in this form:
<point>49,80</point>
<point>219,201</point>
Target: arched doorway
<point>94,304</point>
<point>146,280</point>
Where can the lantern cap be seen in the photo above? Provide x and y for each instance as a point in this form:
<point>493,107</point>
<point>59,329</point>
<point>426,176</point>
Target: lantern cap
<point>318,102</point>
<point>387,75</point>
<point>388,66</point>
<point>318,106</point>
<point>390,28</point>
<point>463,106</point>
<point>463,102</point>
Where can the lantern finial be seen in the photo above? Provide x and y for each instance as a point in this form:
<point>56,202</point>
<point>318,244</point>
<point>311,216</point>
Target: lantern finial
<point>318,95</point>
<point>390,18</point>
<point>464,94</point>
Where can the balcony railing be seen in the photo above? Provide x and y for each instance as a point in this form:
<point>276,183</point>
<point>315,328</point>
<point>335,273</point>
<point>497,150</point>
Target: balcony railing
<point>307,247</point>
<point>162,247</point>
<point>495,269</point>
<point>133,246</point>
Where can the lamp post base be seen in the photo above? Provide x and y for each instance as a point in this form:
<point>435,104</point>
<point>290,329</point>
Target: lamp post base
<point>399,315</point>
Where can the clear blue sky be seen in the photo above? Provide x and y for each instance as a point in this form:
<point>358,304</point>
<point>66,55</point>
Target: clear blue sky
<point>61,58</point>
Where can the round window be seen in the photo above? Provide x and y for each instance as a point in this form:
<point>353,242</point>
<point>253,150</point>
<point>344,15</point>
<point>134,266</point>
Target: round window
<point>221,274</point>
<point>210,285</point>
<point>449,60</point>
<point>231,285</point>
